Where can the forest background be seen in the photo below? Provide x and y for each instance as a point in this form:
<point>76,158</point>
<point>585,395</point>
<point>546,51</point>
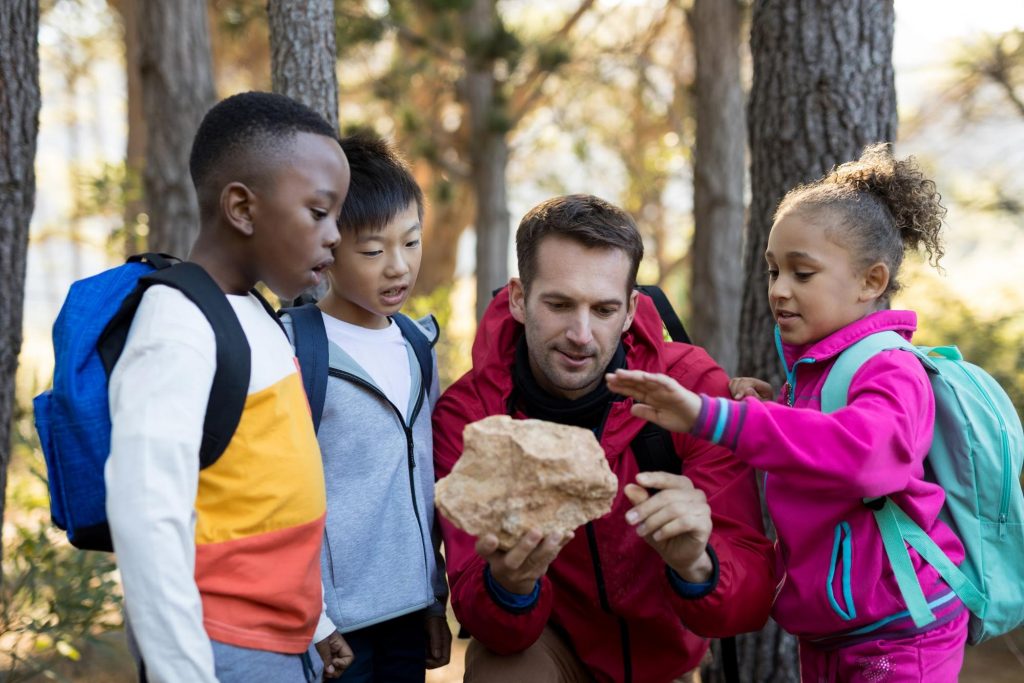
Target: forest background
<point>654,105</point>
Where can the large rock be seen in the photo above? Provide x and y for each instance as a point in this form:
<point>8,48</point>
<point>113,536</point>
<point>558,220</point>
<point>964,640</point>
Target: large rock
<point>515,475</point>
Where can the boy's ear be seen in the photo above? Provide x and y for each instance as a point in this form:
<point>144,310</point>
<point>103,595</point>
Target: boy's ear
<point>236,204</point>
<point>876,281</point>
<point>517,300</point>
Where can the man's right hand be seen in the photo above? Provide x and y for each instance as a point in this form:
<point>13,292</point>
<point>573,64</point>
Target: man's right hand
<point>518,569</point>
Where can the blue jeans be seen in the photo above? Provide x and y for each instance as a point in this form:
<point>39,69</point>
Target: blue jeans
<point>393,651</point>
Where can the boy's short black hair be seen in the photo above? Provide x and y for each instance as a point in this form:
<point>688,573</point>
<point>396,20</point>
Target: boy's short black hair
<point>382,185</point>
<point>243,125</point>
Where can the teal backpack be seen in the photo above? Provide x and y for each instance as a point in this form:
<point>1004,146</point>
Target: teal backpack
<point>976,457</point>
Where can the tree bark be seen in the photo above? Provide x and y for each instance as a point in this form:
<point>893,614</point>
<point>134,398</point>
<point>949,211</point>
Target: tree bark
<point>823,89</point>
<point>719,166</point>
<point>303,54</point>
<point>177,90</point>
<point>135,149</point>
<point>19,111</point>
<point>488,119</point>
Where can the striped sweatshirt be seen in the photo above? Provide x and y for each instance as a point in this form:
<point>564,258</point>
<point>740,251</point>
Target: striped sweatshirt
<point>231,552</point>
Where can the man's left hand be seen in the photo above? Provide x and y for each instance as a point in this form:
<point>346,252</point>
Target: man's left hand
<point>675,521</point>
<point>439,641</point>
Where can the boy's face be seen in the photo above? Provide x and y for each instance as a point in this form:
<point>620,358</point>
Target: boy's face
<point>374,271</point>
<point>295,215</point>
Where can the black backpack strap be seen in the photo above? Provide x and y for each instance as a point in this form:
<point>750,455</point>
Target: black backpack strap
<point>230,380</point>
<point>310,339</point>
<point>668,314</point>
<point>268,308</point>
<point>654,451</point>
<point>157,259</point>
<point>421,346</point>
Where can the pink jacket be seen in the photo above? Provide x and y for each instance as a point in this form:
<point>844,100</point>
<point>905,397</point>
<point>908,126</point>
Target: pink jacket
<point>820,466</point>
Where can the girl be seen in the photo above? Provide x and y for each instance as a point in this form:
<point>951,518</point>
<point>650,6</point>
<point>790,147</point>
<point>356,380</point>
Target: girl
<point>833,254</point>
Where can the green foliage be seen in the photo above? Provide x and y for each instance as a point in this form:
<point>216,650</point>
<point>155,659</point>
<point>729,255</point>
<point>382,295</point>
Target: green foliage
<point>995,343</point>
<point>55,599</point>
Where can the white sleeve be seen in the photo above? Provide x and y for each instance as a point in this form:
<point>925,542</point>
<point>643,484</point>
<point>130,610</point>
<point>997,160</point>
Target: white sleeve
<point>158,393</point>
<point>324,626</point>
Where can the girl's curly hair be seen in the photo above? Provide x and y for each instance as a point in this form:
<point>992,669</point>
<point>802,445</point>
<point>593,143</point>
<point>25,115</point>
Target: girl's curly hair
<point>883,206</point>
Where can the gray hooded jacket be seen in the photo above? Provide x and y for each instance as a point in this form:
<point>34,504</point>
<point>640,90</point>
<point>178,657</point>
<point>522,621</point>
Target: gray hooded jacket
<point>380,557</point>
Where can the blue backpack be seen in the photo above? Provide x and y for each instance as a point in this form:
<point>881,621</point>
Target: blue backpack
<point>976,457</point>
<point>310,339</point>
<point>73,418</point>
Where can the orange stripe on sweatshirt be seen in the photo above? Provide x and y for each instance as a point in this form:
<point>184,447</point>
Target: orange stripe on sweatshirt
<point>263,592</point>
<point>270,477</point>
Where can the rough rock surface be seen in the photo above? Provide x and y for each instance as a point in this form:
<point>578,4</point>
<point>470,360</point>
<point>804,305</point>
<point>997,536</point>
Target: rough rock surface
<point>515,475</point>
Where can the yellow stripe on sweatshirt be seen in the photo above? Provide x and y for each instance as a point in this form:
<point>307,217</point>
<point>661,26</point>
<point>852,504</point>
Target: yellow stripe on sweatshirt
<point>270,477</point>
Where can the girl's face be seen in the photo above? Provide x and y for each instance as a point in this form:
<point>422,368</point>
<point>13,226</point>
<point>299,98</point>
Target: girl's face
<point>814,286</point>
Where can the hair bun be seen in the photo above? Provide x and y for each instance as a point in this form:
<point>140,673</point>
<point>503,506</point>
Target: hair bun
<point>912,199</point>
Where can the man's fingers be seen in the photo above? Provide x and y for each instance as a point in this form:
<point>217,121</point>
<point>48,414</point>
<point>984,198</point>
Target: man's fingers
<point>664,480</point>
<point>515,557</point>
<point>643,411</point>
<point>636,494</point>
<point>486,545</point>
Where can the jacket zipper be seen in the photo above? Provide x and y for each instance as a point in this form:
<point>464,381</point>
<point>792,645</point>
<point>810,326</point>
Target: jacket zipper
<point>1004,496</point>
<point>410,451</point>
<point>602,593</point>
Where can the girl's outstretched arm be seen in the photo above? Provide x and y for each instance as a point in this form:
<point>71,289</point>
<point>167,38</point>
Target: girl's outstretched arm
<point>659,398</point>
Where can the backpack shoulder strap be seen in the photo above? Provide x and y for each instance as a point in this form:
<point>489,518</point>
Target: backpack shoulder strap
<point>668,314</point>
<point>654,451</point>
<point>421,346</point>
<point>837,384</point>
<point>231,378</point>
<point>310,338</point>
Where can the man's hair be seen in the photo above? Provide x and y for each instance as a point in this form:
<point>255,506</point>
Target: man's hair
<point>382,185</point>
<point>245,126</point>
<point>583,218</point>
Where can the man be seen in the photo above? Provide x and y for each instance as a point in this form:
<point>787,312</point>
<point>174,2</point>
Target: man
<point>633,595</point>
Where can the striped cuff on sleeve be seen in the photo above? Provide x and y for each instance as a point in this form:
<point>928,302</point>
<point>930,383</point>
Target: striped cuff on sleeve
<point>719,420</point>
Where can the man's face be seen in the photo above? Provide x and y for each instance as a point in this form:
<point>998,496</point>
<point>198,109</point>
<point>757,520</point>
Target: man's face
<point>578,306</point>
<point>295,214</point>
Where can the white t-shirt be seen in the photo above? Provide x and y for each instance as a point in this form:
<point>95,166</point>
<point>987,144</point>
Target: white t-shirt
<point>381,353</point>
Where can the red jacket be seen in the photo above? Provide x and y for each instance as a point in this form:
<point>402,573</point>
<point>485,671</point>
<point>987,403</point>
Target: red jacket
<point>607,589</point>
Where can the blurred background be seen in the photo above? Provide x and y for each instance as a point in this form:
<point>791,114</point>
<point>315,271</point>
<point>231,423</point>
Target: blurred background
<point>693,115</point>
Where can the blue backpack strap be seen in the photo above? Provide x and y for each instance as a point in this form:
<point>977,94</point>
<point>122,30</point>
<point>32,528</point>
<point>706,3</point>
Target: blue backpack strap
<point>421,346</point>
<point>837,384</point>
<point>231,379</point>
<point>310,337</point>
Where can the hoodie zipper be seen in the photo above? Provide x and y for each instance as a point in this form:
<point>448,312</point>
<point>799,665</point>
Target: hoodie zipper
<point>410,451</point>
<point>790,386</point>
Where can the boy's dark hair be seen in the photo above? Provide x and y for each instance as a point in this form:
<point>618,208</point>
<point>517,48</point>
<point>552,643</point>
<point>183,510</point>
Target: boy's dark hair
<point>583,218</point>
<point>881,207</point>
<point>382,185</point>
<point>240,127</point>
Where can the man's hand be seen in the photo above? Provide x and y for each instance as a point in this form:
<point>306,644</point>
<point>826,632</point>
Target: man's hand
<point>337,655</point>
<point>518,569</point>
<point>741,387</point>
<point>675,521</point>
<point>659,398</point>
<point>439,641</point>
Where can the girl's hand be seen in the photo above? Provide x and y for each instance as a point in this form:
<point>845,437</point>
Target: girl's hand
<point>659,398</point>
<point>741,387</point>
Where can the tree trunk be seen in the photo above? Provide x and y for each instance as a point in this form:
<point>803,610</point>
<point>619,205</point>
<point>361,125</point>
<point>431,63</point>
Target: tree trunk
<point>303,54</point>
<point>303,57</point>
<point>823,89</point>
<point>177,90</point>
<point>489,152</point>
<point>717,273</point>
<point>19,111</point>
<point>135,150</point>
